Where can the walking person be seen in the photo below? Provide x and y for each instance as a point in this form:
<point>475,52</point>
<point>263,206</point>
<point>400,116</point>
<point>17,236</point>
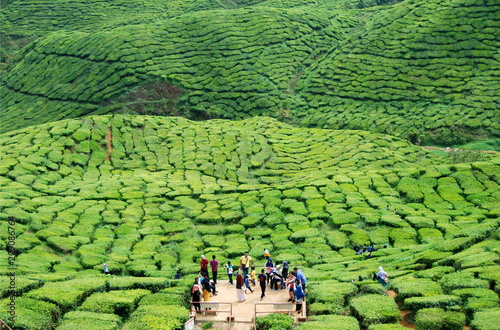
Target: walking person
<point>240,291</point>
<point>247,283</point>
<point>245,262</point>
<point>262,281</point>
<point>214,264</point>
<point>229,268</point>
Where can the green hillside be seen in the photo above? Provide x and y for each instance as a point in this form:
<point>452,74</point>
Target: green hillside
<point>149,194</point>
<point>143,134</point>
<point>415,69</point>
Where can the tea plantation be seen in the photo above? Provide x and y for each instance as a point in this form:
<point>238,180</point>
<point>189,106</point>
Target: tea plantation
<point>148,195</point>
<point>107,156</point>
<point>419,69</point>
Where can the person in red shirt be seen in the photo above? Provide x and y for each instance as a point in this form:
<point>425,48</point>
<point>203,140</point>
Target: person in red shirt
<point>204,266</point>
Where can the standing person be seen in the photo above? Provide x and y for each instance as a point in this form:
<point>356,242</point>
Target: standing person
<point>245,261</point>
<point>290,285</point>
<point>247,283</point>
<point>106,269</point>
<point>215,267</point>
<point>269,269</point>
<point>240,287</point>
<point>204,266</point>
<point>205,283</point>
<point>253,275</point>
<point>301,277</point>
<point>299,298</point>
<point>229,268</point>
<point>262,281</point>
<point>196,295</point>
<point>382,277</point>
<point>284,272</point>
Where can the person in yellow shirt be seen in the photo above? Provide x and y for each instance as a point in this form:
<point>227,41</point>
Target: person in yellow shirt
<point>253,275</point>
<point>245,261</point>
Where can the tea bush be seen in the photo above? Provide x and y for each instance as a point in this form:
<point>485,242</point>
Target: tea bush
<point>324,322</point>
<point>437,318</point>
<point>372,309</point>
<point>274,322</point>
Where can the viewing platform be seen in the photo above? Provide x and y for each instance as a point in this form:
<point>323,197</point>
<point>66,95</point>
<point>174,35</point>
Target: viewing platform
<point>225,307</point>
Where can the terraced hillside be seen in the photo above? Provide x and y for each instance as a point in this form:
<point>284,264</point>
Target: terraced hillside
<point>148,195</point>
<point>416,69</point>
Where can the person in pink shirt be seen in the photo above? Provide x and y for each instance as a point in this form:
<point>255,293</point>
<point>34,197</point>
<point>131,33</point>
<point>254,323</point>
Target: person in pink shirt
<point>215,267</point>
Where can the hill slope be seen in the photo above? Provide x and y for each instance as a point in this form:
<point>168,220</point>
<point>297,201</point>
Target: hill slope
<point>173,189</point>
<point>408,69</point>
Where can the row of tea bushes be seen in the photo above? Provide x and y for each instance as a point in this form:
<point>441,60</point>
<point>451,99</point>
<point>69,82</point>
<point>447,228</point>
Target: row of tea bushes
<point>416,66</point>
<point>40,17</point>
<point>221,69</point>
<point>441,228</point>
<point>109,302</point>
<point>401,73</point>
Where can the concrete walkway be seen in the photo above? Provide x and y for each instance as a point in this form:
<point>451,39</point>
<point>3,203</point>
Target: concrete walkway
<point>243,312</point>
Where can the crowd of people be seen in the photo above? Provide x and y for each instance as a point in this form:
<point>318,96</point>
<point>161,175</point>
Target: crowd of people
<point>272,276</point>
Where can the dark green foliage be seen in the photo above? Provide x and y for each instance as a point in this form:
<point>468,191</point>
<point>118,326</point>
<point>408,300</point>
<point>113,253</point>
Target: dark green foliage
<point>436,301</point>
<point>31,313</point>
<point>485,319</point>
<point>373,309</point>
<point>437,318</point>
<point>274,322</point>
<point>325,322</point>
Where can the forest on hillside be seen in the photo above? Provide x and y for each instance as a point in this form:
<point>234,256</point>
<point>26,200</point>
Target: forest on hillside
<point>143,134</point>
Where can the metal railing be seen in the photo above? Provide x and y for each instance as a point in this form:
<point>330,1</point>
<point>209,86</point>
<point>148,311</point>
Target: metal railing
<point>211,307</point>
<point>4,325</point>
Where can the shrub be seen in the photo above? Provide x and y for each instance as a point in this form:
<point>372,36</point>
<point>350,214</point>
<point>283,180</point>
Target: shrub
<point>31,313</point>
<point>387,327</point>
<point>114,302</point>
<point>485,319</point>
<point>438,301</point>
<point>461,280</point>
<point>439,319</point>
<point>332,295</point>
<point>434,273</point>
<point>166,317</point>
<point>372,309</point>
<point>89,320</point>
<point>407,288</point>
<point>153,284</point>
<point>327,322</point>
<point>274,322</point>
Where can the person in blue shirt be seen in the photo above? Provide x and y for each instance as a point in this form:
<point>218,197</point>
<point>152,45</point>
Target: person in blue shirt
<point>247,282</point>
<point>299,298</point>
<point>301,277</point>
